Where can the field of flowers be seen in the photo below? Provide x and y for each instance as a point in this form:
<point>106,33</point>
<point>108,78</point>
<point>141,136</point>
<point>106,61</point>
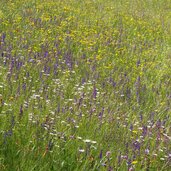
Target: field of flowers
<point>85,85</point>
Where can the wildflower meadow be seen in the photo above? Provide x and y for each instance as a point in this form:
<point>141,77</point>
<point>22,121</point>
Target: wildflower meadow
<point>85,85</point>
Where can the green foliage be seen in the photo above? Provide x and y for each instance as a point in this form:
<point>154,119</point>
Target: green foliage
<point>85,85</point>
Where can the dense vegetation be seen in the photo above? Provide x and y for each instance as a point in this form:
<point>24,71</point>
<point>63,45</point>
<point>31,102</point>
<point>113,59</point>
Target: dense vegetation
<point>85,85</point>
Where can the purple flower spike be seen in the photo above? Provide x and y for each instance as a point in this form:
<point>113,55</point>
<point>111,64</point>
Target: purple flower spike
<point>136,145</point>
<point>131,127</point>
<point>21,111</point>
<point>46,54</point>
<point>144,133</point>
<point>95,92</point>
<point>3,37</point>
<point>138,62</point>
<point>101,154</point>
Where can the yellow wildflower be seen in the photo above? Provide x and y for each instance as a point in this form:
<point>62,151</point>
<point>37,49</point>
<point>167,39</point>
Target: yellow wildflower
<point>134,162</point>
<point>135,132</point>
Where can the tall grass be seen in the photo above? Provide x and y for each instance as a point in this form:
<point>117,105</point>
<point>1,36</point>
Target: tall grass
<point>85,85</point>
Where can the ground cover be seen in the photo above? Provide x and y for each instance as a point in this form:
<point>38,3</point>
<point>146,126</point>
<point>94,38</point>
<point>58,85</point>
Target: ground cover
<point>85,85</point>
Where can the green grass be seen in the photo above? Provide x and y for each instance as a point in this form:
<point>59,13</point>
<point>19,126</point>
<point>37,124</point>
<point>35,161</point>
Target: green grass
<point>85,85</point>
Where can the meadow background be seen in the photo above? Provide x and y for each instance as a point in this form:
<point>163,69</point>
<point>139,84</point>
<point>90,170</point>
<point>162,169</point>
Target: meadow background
<point>85,85</point>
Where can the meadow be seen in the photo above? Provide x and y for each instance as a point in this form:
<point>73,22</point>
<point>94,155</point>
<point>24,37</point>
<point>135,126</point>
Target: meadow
<point>85,85</point>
